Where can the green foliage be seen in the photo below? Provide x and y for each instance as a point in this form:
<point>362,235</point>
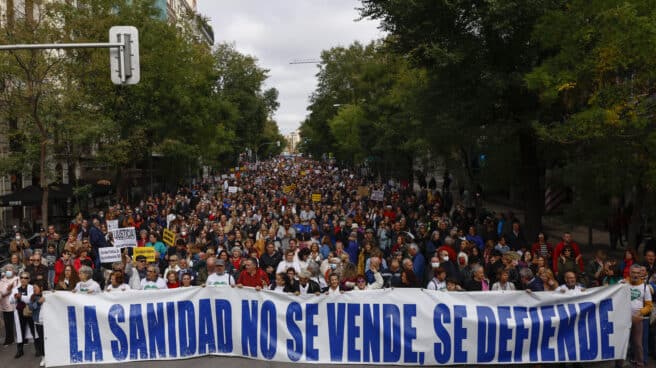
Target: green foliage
<point>362,109</point>
<point>599,78</point>
<point>194,105</point>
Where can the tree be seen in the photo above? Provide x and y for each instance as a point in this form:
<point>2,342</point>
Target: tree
<point>598,84</point>
<point>31,90</point>
<point>476,54</point>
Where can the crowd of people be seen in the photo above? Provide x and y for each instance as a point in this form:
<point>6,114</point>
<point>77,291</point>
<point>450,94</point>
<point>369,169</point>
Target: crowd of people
<point>293,225</point>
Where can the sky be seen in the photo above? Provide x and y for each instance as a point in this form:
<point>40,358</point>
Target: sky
<point>277,32</point>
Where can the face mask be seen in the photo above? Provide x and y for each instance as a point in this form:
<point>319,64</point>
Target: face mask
<point>435,264</point>
<point>9,274</point>
<point>446,258</point>
<point>184,233</point>
<point>17,237</point>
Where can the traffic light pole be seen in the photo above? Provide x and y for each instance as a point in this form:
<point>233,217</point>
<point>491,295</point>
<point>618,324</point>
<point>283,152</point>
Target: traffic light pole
<point>124,54</point>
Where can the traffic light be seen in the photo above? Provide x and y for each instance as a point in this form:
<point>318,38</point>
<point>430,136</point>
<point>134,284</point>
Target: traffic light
<point>124,60</point>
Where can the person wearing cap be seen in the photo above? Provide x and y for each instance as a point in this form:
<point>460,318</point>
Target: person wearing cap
<point>306,285</point>
<point>220,277</point>
<point>136,272</point>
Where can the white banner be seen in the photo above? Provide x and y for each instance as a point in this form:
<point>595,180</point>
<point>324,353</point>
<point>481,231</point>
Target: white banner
<point>232,189</point>
<point>109,254</point>
<point>398,327</point>
<point>124,237</point>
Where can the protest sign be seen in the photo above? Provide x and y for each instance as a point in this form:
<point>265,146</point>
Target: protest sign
<point>363,191</point>
<point>109,254</point>
<point>377,195</point>
<point>124,237</point>
<point>148,252</point>
<point>391,327</point>
<point>316,197</point>
<point>168,237</point>
<point>112,225</point>
<point>232,189</point>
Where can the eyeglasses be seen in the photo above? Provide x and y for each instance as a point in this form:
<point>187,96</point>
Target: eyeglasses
<point>25,278</point>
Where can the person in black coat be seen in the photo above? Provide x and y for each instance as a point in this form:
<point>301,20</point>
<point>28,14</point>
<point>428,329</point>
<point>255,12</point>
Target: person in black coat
<point>306,285</point>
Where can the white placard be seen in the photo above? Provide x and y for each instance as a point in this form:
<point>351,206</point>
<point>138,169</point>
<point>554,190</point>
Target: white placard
<point>377,195</point>
<point>232,189</point>
<point>124,237</point>
<point>112,225</point>
<point>109,254</point>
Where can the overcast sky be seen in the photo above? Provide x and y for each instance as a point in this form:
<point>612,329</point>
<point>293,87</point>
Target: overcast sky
<point>277,32</point>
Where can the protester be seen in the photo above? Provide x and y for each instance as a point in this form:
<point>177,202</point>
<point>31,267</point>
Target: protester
<point>152,280</point>
<point>117,282</point>
<point>220,277</point>
<point>22,294</point>
<point>86,284</point>
<point>641,305</point>
<point>8,281</point>
<point>36,300</point>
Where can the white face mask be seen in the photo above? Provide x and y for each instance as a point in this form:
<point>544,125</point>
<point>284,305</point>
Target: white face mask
<point>435,264</point>
<point>446,258</point>
<point>9,274</point>
<point>17,237</point>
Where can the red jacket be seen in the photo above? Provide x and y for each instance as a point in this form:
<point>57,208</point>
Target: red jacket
<point>255,280</point>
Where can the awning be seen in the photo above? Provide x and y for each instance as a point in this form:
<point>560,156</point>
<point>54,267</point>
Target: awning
<point>31,195</point>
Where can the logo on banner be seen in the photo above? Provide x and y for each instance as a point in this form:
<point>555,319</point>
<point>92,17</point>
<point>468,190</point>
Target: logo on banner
<point>168,237</point>
<point>124,237</point>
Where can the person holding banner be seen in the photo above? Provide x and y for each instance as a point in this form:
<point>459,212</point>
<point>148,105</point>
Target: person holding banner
<point>22,313</point>
<point>220,277</point>
<point>252,276</point>
<point>117,282</point>
<point>152,280</point>
<point>87,284</point>
<point>641,305</point>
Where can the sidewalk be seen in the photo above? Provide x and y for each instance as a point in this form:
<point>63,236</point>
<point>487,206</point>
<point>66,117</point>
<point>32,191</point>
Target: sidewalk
<point>554,227</point>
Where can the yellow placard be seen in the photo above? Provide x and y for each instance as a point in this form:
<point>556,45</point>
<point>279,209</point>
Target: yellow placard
<point>169,237</point>
<point>316,197</point>
<point>363,191</point>
<point>148,252</point>
<point>302,173</point>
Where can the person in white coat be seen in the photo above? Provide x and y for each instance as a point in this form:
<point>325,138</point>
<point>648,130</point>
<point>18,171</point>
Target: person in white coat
<point>8,281</point>
<point>22,318</point>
